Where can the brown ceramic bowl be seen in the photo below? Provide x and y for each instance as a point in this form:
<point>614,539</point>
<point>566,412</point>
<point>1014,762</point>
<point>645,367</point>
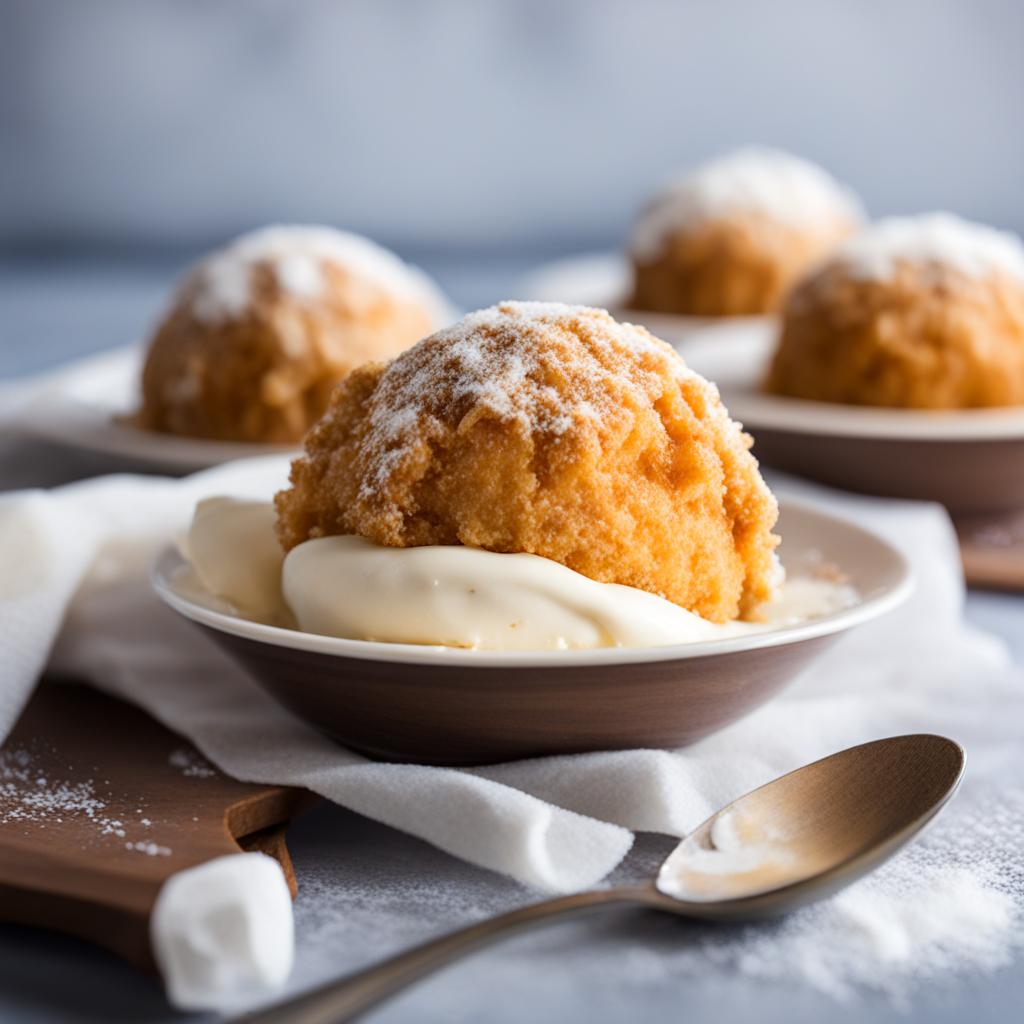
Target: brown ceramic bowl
<point>437,705</point>
<point>971,461</point>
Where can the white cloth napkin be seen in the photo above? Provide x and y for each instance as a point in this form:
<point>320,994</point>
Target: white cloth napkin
<point>74,594</point>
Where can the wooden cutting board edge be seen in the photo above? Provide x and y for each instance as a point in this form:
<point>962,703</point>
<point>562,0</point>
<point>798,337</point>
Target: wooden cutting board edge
<point>63,875</point>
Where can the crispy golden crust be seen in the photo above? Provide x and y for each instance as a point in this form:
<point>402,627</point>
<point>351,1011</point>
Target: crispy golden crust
<point>742,265</point>
<point>926,337</point>
<point>551,430</point>
<point>267,374</point>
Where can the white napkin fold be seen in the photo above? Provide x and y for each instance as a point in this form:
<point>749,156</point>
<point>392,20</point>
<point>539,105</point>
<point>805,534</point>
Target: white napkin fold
<point>74,593</point>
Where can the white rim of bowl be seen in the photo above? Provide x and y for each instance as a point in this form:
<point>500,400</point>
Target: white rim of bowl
<point>802,416</point>
<point>868,608</point>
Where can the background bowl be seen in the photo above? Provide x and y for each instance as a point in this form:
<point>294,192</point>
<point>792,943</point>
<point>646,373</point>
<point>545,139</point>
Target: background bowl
<point>971,461</point>
<point>438,705</point>
<point>604,280</point>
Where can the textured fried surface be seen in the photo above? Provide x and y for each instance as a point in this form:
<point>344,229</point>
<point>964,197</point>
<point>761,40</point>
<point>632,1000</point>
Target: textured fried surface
<point>924,337</point>
<point>732,266</point>
<point>552,430</point>
<point>266,374</point>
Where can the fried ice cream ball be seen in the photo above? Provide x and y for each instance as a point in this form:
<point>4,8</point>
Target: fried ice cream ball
<point>731,238</point>
<point>920,313</point>
<point>260,332</point>
<point>553,430</point>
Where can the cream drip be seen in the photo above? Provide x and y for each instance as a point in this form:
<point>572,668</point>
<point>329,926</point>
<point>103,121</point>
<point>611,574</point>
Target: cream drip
<point>445,595</point>
<point>236,558</point>
<point>737,856</point>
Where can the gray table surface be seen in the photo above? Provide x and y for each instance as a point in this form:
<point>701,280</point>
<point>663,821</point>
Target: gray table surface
<point>366,890</point>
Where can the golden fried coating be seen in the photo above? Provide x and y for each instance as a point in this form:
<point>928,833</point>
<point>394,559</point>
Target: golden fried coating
<point>737,266</point>
<point>261,332</point>
<point>554,430</point>
<point>922,337</point>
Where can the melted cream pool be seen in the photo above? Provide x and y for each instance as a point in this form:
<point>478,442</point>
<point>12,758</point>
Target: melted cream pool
<point>450,596</point>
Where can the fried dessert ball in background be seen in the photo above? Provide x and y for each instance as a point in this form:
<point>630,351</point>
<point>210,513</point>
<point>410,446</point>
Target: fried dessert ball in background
<point>260,332</point>
<point>918,312</point>
<point>553,430</point>
<point>732,237</point>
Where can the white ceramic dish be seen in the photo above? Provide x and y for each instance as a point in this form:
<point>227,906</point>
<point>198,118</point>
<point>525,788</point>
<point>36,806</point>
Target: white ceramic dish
<point>602,280</point>
<point>80,406</point>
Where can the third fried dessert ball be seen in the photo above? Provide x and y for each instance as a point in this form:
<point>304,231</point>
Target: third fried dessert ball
<point>730,238</point>
<point>553,430</point>
<point>260,332</point>
<point>917,312</point>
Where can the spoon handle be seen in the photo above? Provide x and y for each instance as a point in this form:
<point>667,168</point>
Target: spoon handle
<point>346,999</point>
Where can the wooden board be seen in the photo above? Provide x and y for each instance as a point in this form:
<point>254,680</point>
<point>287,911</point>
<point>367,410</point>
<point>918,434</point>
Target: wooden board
<point>992,549</point>
<point>99,805</point>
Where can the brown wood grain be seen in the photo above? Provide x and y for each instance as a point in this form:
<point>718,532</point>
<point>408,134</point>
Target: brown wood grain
<point>72,871</point>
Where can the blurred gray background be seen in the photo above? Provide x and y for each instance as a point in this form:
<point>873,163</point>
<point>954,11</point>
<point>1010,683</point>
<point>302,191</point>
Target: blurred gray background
<point>476,136</point>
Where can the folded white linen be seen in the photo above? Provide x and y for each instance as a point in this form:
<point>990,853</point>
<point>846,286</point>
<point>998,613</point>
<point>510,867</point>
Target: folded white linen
<point>74,594</point>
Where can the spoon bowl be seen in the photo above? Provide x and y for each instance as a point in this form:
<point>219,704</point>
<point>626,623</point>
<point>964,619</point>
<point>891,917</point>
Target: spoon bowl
<point>795,840</point>
<point>810,833</point>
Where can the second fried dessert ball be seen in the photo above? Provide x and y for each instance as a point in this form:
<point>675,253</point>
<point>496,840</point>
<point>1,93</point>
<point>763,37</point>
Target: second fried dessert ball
<point>732,237</point>
<point>260,332</point>
<point>553,430</point>
<point>917,312</point>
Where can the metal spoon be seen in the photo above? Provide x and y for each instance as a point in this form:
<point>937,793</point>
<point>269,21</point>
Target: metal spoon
<point>795,840</point>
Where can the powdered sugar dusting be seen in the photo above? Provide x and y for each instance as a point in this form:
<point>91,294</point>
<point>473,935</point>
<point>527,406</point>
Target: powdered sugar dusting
<point>191,763</point>
<point>296,254</point>
<point>150,849</point>
<point>28,797</point>
<point>949,907</point>
<point>496,360</point>
<point>936,239</point>
<point>951,904</point>
<point>753,180</point>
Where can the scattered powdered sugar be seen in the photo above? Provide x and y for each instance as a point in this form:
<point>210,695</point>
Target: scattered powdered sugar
<point>948,907</point>
<point>951,904</point>
<point>764,181</point>
<point>999,532</point>
<point>915,924</point>
<point>500,359</point>
<point>296,254</point>
<point>29,797</point>
<point>941,239</point>
<point>150,849</point>
<point>191,763</point>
